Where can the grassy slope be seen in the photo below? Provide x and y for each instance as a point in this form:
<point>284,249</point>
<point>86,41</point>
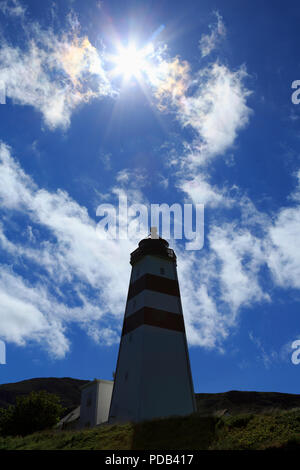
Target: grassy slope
<point>279,430</point>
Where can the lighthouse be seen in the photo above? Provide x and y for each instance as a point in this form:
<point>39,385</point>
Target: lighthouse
<point>153,375</point>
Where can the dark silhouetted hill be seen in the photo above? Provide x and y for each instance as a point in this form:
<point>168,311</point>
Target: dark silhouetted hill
<point>208,404</point>
<point>68,389</point>
<point>237,402</point>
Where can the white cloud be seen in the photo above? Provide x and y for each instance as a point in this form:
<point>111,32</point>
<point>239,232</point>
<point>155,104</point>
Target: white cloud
<point>283,255</point>
<point>206,326</point>
<point>76,257</point>
<point>209,42</point>
<point>95,271</point>
<point>240,255</point>
<point>26,314</point>
<point>295,196</point>
<point>226,278</point>
<point>13,8</point>
<point>218,283</point>
<point>216,111</point>
<point>164,181</point>
<point>270,357</point>
<point>57,73</point>
<point>54,74</point>
<point>214,287</point>
<point>215,284</point>
<point>202,192</point>
<point>133,178</point>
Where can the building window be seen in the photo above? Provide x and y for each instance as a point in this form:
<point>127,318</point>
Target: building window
<point>162,271</point>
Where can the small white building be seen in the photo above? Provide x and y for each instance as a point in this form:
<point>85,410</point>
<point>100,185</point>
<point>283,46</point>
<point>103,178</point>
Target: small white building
<point>94,407</point>
<point>95,403</point>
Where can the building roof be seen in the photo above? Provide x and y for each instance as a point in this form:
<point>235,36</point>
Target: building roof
<point>95,381</point>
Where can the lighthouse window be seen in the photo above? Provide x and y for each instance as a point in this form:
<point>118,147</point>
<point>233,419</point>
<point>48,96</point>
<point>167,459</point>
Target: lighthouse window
<point>162,270</point>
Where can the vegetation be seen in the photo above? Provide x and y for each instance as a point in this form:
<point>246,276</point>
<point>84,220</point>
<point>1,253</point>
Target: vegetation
<point>33,412</point>
<point>228,420</point>
<point>68,390</point>
<point>278,430</point>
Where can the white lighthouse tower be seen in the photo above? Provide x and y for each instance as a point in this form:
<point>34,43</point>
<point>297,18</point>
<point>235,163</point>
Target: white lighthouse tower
<point>153,376</point>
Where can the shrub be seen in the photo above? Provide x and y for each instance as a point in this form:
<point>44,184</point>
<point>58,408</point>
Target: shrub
<point>33,412</point>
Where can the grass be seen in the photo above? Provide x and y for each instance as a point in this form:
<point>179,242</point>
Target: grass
<point>276,430</point>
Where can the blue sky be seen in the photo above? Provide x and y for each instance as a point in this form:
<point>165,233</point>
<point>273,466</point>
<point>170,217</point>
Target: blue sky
<point>205,118</point>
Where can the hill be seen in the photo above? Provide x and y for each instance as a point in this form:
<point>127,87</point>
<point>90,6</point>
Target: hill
<point>66,388</point>
<point>237,402</point>
<point>229,420</point>
<point>208,404</point>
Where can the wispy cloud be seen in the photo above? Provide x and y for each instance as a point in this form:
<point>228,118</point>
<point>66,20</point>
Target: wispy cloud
<point>271,357</point>
<point>283,258</point>
<point>217,111</point>
<point>170,79</point>
<point>54,74</point>
<point>12,8</point>
<point>133,178</point>
<point>209,42</point>
<point>227,277</point>
<point>75,275</point>
<point>219,282</point>
<point>201,191</point>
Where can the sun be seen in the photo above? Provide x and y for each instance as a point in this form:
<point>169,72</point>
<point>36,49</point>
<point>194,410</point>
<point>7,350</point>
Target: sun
<point>131,62</point>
